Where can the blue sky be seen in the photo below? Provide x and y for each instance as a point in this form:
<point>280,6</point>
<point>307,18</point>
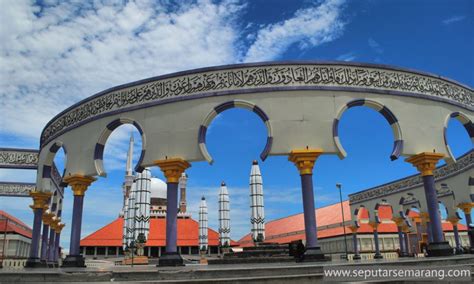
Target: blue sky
<point>54,53</point>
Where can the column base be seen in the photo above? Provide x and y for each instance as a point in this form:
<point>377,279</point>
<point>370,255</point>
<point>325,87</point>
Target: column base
<point>470,250</point>
<point>170,259</point>
<point>404,254</point>
<point>458,251</point>
<point>314,254</point>
<point>356,257</point>
<point>74,261</point>
<point>378,256</point>
<point>439,249</point>
<point>33,262</point>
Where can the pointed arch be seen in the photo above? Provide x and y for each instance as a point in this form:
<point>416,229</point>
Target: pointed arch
<point>49,172</point>
<point>468,125</point>
<point>100,145</point>
<point>384,111</point>
<point>228,105</point>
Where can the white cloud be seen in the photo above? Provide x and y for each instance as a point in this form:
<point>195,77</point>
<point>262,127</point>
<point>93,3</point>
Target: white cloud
<point>453,19</point>
<point>350,56</point>
<point>309,27</point>
<point>53,57</point>
<point>375,46</point>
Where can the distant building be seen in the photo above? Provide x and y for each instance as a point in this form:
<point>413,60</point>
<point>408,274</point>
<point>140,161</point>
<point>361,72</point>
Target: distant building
<point>15,237</point>
<point>331,232</point>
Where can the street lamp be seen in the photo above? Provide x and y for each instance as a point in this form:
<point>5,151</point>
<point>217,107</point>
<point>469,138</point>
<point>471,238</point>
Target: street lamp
<point>339,186</point>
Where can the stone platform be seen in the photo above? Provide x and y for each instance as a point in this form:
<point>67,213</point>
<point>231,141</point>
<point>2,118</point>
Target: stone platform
<point>263,253</point>
<point>238,273</point>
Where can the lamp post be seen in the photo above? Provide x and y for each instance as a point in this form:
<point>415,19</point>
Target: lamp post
<point>339,186</point>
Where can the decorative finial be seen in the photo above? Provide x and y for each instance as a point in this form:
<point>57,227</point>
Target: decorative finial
<point>203,198</point>
<point>255,162</point>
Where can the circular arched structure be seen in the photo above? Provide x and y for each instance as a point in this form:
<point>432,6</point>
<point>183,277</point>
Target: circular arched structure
<point>299,102</point>
<point>228,105</point>
<point>468,125</point>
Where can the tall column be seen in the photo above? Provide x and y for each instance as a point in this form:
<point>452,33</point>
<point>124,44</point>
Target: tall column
<point>57,240</point>
<point>79,185</point>
<point>39,203</point>
<point>304,160</point>
<point>426,163</point>
<point>355,243</point>
<point>374,226</point>
<point>47,218</point>
<point>399,221</point>
<point>454,221</point>
<point>466,208</point>
<point>406,230</point>
<point>52,238</point>
<point>172,169</point>
<point>425,223</point>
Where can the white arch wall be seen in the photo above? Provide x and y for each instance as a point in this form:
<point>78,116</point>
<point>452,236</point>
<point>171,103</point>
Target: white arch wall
<point>458,184</point>
<point>298,119</point>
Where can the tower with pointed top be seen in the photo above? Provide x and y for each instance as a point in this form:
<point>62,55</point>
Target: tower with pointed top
<point>257,218</point>
<point>182,195</point>
<point>203,226</point>
<point>224,216</point>
<point>127,188</point>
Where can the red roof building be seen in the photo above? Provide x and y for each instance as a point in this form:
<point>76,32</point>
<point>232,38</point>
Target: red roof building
<point>107,241</point>
<point>330,229</point>
<point>17,236</point>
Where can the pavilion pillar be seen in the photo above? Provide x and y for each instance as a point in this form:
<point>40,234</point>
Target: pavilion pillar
<point>79,185</point>
<point>304,160</point>
<point>426,163</point>
<point>406,240</point>
<point>425,223</point>
<point>466,208</point>
<point>172,169</point>
<point>458,248</point>
<point>355,243</point>
<point>39,203</point>
<point>374,226</point>
<point>57,240</point>
<point>52,239</point>
<point>399,221</point>
<point>47,218</point>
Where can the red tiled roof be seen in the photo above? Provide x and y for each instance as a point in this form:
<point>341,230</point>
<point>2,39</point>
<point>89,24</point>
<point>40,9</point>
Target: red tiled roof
<point>329,220</point>
<point>188,233</point>
<point>14,225</point>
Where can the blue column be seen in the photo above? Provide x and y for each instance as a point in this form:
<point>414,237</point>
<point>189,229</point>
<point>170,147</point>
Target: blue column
<point>355,244</point>
<point>309,211</point>
<point>470,228</point>
<point>51,249</point>
<point>377,254</point>
<point>33,259</point>
<point>426,163</point>
<point>171,217</point>
<point>79,185</point>
<point>44,242</point>
<point>401,241</point>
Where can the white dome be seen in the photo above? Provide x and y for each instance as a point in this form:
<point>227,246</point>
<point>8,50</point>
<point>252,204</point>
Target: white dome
<point>158,188</point>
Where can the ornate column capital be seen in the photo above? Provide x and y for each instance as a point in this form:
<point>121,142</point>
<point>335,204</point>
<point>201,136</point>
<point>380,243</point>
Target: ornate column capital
<point>353,229</point>
<point>59,228</point>
<point>398,220</point>
<point>79,183</point>
<point>425,217</point>
<point>40,199</point>
<point>172,168</point>
<point>405,228</point>
<point>54,222</point>
<point>425,162</point>
<point>374,225</point>
<point>47,217</point>
<point>466,207</point>
<point>304,159</point>
<point>453,220</point>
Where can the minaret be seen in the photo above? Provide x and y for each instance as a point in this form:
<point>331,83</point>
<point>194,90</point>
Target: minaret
<point>127,185</point>
<point>182,197</point>
<point>142,204</point>
<point>256,204</point>
<point>203,226</point>
<point>224,216</point>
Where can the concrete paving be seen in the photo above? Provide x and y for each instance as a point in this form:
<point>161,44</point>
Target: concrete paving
<point>236,273</point>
